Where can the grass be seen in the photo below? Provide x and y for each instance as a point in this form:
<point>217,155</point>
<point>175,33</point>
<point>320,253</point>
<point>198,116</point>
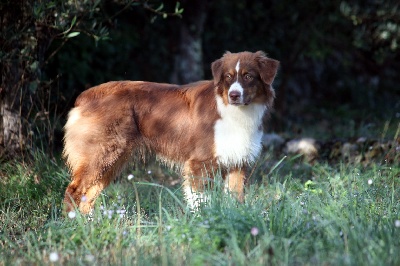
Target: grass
<point>294,214</point>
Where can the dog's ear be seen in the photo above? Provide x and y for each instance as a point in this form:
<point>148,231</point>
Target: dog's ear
<point>216,68</point>
<point>268,67</point>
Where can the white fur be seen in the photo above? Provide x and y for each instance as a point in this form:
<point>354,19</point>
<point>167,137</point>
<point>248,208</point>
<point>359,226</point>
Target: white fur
<point>72,134</point>
<point>236,86</point>
<point>73,116</point>
<point>237,67</point>
<point>194,198</point>
<point>238,133</point>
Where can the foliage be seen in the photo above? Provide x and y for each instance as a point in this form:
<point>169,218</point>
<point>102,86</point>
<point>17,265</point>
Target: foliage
<point>330,51</point>
<point>33,33</point>
<point>28,29</point>
<point>380,22</point>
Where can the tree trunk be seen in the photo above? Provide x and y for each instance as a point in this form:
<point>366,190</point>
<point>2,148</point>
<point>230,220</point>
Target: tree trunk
<point>13,17</point>
<point>188,65</point>
<point>12,140</point>
<point>24,44</point>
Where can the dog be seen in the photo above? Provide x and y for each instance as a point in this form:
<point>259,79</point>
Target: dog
<point>201,127</point>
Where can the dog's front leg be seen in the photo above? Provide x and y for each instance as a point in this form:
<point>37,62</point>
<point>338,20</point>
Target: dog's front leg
<point>197,177</point>
<point>234,183</point>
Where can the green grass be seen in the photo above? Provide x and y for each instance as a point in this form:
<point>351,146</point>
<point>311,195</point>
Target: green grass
<point>346,215</point>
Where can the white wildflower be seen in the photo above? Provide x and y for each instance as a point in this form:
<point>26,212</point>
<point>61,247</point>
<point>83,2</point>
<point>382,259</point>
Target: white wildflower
<point>397,223</point>
<point>71,214</point>
<point>53,257</point>
<point>89,257</point>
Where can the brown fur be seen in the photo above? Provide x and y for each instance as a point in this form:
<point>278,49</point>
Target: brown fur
<point>115,120</point>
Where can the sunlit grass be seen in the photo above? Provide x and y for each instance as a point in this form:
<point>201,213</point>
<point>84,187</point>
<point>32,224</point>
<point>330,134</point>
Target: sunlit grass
<point>294,214</point>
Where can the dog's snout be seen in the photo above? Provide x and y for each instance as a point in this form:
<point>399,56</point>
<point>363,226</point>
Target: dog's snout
<point>234,95</point>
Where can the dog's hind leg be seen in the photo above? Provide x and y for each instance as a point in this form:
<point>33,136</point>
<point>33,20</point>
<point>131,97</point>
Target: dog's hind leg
<point>90,179</point>
<point>82,191</point>
<point>96,148</point>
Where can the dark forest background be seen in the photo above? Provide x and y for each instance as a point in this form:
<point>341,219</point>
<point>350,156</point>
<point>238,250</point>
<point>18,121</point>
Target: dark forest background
<point>340,60</point>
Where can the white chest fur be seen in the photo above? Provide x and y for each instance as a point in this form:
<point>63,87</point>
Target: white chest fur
<point>237,135</point>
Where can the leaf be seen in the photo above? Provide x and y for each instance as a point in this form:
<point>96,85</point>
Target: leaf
<point>311,186</point>
<point>34,65</point>
<point>73,34</point>
<point>96,3</point>
<point>177,7</point>
<point>160,7</point>
<point>51,5</point>
<point>73,22</point>
<point>33,86</point>
<point>178,10</point>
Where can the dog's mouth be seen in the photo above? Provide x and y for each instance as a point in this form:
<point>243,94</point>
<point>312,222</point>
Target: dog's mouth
<point>239,103</point>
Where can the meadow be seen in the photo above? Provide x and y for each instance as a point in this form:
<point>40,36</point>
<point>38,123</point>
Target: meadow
<point>295,213</point>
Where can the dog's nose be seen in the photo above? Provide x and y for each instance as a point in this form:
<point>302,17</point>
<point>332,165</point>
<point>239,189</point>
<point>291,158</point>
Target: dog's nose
<point>234,95</point>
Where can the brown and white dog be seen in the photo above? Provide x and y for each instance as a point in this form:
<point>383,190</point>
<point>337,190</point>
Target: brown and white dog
<point>202,127</point>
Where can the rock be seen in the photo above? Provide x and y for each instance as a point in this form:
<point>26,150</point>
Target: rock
<point>306,146</point>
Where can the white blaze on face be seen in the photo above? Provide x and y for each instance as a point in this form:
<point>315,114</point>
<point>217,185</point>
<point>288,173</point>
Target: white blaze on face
<point>236,86</point>
<point>237,68</point>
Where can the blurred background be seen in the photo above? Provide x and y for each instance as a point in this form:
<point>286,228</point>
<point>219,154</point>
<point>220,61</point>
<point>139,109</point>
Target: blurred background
<point>339,74</point>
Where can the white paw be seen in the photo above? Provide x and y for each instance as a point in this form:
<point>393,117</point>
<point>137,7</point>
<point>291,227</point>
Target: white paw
<point>195,198</point>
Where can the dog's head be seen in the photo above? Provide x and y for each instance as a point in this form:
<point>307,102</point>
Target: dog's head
<point>245,78</point>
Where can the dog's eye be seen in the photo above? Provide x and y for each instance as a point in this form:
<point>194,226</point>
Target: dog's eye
<point>228,76</point>
<point>248,77</point>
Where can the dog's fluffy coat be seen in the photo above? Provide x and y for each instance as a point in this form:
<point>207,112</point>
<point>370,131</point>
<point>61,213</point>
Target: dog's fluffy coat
<point>202,127</point>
